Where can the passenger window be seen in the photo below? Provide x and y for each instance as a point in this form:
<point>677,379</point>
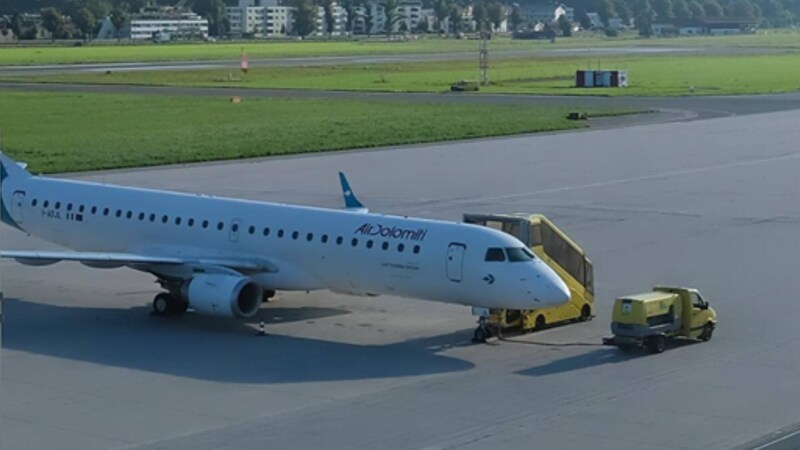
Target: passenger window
<point>385,246</point>
<point>205,224</point>
<point>369,243</point>
<point>129,215</point>
<point>94,209</point>
<point>220,226</point>
<point>400,248</point>
<point>81,209</point>
<point>46,203</point>
<point>324,238</point>
<point>416,249</point>
<point>58,205</point>
<point>310,237</point>
<point>495,254</point>
<point>339,240</point>
<point>177,221</point>
<point>119,213</point>
<point>251,230</point>
<point>190,223</point>
<point>152,217</point>
<point>141,216</point>
<point>34,202</point>
<point>106,211</point>
<point>164,219</point>
<point>354,242</point>
<point>266,231</point>
<point>69,206</point>
<point>280,233</point>
<point>295,234</point>
<point>234,228</point>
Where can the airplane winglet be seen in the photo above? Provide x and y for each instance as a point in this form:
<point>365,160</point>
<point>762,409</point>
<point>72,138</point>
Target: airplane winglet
<point>350,200</point>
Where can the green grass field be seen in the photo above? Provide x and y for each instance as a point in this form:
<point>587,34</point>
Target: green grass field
<point>649,75</point>
<point>78,132</point>
<point>50,54</point>
<point>261,49</point>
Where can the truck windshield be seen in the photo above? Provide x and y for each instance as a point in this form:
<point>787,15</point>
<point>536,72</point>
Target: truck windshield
<point>518,254</point>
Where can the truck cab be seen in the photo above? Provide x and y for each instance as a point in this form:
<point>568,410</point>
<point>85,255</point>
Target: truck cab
<point>649,319</point>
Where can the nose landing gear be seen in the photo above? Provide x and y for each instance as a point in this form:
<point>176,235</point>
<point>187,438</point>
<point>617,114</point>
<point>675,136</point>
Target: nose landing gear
<point>483,332</point>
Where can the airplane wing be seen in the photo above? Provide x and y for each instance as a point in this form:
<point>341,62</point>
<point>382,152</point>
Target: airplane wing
<point>115,260</point>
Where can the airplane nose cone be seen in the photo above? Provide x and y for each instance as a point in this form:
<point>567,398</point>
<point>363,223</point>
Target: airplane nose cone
<point>557,291</point>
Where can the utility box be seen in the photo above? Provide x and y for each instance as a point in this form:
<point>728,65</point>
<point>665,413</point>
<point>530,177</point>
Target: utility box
<point>601,78</point>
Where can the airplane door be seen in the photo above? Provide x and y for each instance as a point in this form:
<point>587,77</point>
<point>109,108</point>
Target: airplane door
<point>17,201</point>
<point>236,224</point>
<point>455,261</point>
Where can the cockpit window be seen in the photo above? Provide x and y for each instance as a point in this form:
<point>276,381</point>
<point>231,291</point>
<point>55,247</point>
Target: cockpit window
<point>517,254</point>
<point>495,254</point>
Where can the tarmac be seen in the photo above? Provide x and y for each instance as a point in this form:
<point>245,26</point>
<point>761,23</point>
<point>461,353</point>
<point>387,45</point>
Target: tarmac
<point>708,203</point>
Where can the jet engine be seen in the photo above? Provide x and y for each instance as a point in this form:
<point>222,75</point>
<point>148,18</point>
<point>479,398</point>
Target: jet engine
<point>224,295</point>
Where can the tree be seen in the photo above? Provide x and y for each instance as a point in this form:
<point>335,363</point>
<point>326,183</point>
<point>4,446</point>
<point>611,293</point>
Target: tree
<point>479,15</point>
<point>663,9</point>
<point>713,9</point>
<point>369,18</point>
<point>454,17</point>
<point>697,9</point>
<point>391,14</point>
<point>681,10</point>
<point>423,26</point>
<point>496,14</point>
<point>350,10</point>
<point>214,11</point>
<point>564,25</point>
<point>85,21</point>
<point>584,20</point>
<point>53,21</point>
<point>305,18</point>
<point>644,16</point>
<point>623,10</point>
<point>99,8</point>
<point>118,18</point>
<point>515,18</point>
<point>440,9</point>
<point>743,9</point>
<point>327,16</point>
<point>605,10</point>
<point>16,25</point>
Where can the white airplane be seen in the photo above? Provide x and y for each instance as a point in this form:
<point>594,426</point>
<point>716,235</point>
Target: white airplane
<point>224,257</point>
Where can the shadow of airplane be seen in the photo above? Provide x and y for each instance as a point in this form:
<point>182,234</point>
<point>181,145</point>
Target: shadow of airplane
<point>582,361</point>
<point>214,349</point>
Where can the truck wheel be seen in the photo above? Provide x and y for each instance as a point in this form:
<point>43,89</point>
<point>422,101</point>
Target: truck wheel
<point>708,330</point>
<point>656,344</point>
<point>540,323</point>
<point>586,313</point>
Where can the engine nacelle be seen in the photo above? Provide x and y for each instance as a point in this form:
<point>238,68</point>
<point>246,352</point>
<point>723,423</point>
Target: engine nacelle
<point>224,295</point>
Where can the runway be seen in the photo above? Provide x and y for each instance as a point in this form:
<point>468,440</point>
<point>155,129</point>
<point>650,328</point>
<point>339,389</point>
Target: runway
<point>356,59</point>
<point>707,203</point>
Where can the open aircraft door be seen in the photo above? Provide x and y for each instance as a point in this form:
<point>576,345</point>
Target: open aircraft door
<point>455,261</point>
<point>17,202</point>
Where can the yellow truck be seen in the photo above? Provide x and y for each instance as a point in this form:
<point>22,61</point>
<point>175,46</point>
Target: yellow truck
<point>554,247</point>
<point>648,320</point>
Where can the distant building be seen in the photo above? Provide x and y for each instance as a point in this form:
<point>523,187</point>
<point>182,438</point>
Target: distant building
<point>546,13</point>
<point>152,22</point>
<point>708,27</point>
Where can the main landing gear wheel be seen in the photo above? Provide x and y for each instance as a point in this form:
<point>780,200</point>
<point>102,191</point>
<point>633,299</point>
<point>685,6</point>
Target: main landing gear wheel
<point>165,304</point>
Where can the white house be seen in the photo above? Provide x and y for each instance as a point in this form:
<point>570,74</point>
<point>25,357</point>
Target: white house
<point>150,22</point>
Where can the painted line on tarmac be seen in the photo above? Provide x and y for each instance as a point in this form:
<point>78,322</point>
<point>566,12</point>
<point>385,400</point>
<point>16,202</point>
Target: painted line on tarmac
<point>777,441</point>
